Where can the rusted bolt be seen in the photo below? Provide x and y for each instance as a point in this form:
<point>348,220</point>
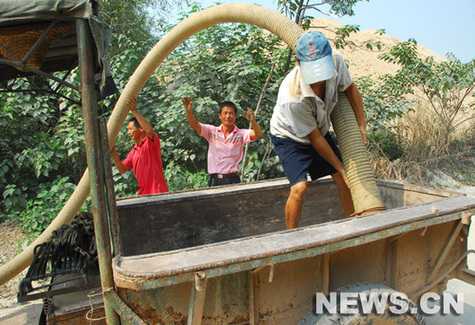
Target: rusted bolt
<point>466,217</point>
<point>271,272</point>
<point>200,281</point>
<point>423,232</point>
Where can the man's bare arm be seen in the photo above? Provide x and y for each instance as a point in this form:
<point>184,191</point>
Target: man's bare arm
<point>256,129</point>
<point>144,123</point>
<point>188,104</point>
<point>320,144</point>
<point>118,163</point>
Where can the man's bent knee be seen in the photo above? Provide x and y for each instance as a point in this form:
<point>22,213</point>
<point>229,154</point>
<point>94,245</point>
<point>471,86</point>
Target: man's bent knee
<point>299,191</point>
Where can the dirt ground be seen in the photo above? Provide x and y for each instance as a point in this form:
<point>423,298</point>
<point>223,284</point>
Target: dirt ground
<point>12,239</point>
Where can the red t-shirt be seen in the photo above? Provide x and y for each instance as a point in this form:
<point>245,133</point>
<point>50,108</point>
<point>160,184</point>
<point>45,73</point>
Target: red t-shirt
<point>146,162</point>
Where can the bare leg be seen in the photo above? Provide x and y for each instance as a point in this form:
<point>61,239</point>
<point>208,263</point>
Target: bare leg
<point>345,194</point>
<point>293,207</point>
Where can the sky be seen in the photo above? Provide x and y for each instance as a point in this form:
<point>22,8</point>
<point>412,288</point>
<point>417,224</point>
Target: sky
<point>440,25</point>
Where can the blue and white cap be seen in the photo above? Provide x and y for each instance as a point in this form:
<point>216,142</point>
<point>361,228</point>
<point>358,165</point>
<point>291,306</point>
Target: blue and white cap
<point>315,56</point>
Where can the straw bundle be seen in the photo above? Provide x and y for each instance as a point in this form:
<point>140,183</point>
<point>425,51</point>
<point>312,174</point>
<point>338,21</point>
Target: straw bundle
<point>19,40</point>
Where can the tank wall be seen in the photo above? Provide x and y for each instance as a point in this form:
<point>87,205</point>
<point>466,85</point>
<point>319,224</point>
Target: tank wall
<point>164,225</point>
<point>168,222</point>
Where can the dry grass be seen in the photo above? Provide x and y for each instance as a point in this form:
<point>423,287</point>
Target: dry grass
<point>12,237</point>
<point>426,150</point>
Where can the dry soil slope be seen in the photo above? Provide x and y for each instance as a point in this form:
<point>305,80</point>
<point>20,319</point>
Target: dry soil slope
<point>365,62</point>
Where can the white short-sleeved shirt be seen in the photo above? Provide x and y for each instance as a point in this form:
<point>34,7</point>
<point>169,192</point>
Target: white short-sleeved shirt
<point>296,117</point>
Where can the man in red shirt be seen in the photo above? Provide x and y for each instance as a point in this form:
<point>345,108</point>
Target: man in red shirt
<point>145,158</point>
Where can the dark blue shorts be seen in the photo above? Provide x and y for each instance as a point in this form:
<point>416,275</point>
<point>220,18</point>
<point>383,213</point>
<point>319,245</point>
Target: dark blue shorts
<point>300,159</point>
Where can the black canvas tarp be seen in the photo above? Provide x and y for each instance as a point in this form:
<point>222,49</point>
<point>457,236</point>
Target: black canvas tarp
<point>16,12</point>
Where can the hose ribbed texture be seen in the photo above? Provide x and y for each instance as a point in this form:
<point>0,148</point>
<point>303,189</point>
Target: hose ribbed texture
<point>364,191</point>
<point>256,15</point>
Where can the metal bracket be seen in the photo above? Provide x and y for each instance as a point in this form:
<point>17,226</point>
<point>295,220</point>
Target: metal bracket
<point>197,299</point>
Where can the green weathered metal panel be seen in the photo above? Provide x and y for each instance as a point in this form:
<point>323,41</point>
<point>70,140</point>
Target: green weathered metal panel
<point>422,219</point>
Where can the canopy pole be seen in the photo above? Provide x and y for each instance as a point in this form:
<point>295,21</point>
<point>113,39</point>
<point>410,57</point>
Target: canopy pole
<point>94,161</point>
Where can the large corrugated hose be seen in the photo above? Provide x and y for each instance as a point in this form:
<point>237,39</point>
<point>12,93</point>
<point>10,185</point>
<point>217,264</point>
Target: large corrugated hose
<point>256,15</point>
<point>364,192</point>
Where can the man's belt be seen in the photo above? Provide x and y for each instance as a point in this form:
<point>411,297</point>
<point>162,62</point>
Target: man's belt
<point>221,176</point>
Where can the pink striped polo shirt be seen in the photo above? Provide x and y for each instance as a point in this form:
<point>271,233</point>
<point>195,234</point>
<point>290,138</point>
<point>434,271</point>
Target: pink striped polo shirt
<point>224,155</point>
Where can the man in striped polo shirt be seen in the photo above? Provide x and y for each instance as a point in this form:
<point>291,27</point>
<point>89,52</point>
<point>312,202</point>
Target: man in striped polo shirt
<point>225,141</point>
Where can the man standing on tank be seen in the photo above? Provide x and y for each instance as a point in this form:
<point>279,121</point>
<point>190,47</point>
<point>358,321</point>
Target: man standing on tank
<point>301,120</point>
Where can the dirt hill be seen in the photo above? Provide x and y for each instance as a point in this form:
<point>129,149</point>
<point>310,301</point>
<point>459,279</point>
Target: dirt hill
<point>365,62</point>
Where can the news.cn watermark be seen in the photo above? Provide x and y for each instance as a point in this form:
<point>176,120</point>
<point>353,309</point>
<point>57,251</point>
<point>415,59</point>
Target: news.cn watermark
<point>351,303</point>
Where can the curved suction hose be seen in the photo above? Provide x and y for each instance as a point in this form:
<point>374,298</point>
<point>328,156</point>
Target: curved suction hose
<point>262,17</point>
<point>365,194</point>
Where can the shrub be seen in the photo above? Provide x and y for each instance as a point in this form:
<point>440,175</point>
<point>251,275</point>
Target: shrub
<point>39,212</point>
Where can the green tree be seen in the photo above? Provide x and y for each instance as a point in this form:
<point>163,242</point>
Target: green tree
<point>41,136</point>
<point>446,86</point>
<point>136,20</point>
<point>297,9</point>
<point>40,140</point>
<point>431,100</point>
